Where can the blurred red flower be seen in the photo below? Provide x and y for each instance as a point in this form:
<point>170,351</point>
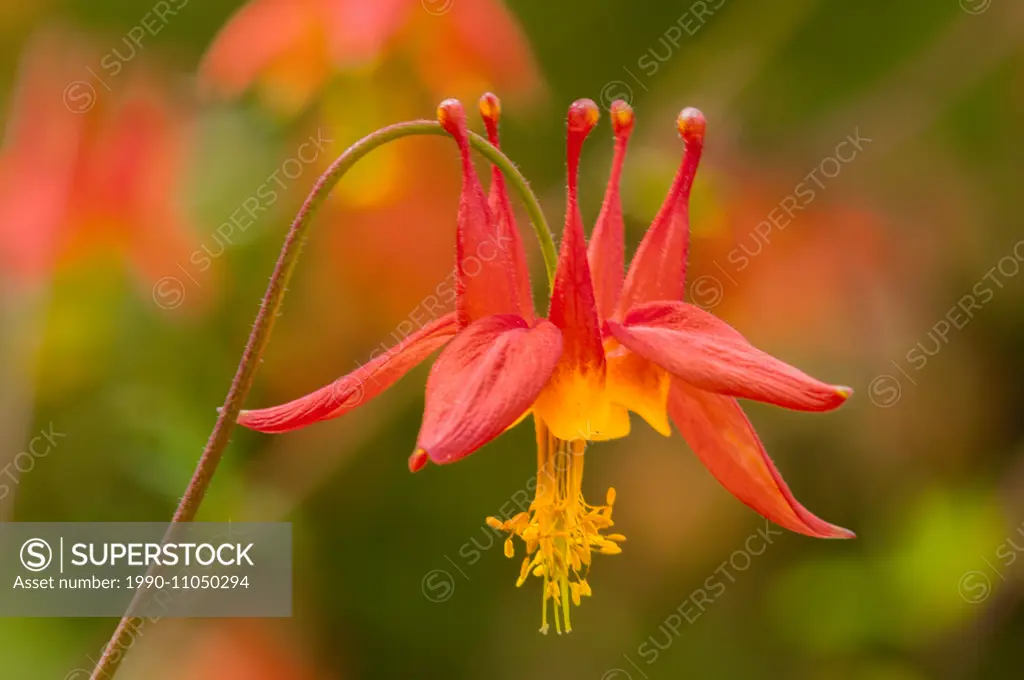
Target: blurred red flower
<point>290,48</point>
<point>83,169</point>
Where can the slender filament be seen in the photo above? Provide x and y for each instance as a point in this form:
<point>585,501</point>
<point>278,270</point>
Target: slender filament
<point>560,530</point>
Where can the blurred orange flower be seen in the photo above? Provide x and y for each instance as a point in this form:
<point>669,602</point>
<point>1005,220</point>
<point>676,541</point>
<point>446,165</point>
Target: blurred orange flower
<point>290,48</point>
<point>83,169</point>
<point>850,269</point>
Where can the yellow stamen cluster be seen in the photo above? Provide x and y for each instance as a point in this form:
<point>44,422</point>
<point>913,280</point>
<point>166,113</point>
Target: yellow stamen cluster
<point>560,529</point>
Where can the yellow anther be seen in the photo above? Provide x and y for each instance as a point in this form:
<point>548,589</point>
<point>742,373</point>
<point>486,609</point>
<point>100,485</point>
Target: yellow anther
<point>524,572</point>
<point>561,530</point>
<point>574,588</point>
<point>520,521</point>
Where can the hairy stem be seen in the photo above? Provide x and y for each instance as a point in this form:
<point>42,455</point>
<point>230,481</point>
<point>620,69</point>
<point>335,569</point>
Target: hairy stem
<point>127,628</point>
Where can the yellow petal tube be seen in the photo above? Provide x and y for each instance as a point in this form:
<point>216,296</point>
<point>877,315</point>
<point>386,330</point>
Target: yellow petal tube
<point>637,385</point>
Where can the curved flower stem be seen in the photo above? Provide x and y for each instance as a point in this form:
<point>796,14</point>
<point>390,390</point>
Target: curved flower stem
<point>127,628</point>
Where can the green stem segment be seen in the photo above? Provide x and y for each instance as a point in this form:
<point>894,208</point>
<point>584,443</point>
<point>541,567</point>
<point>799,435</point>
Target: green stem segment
<point>127,629</point>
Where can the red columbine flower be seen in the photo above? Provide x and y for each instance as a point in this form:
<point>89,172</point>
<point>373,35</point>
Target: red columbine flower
<point>609,346</point>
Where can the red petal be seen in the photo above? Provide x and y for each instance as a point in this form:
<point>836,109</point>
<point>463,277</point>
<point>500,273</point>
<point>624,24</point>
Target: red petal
<point>501,208</point>
<point>484,269</point>
<point>658,270</point>
<point>483,382</point>
<point>573,307</point>
<point>710,354</point>
<point>719,433</point>
<point>252,39</point>
<point>356,388</point>
<point>606,254</point>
